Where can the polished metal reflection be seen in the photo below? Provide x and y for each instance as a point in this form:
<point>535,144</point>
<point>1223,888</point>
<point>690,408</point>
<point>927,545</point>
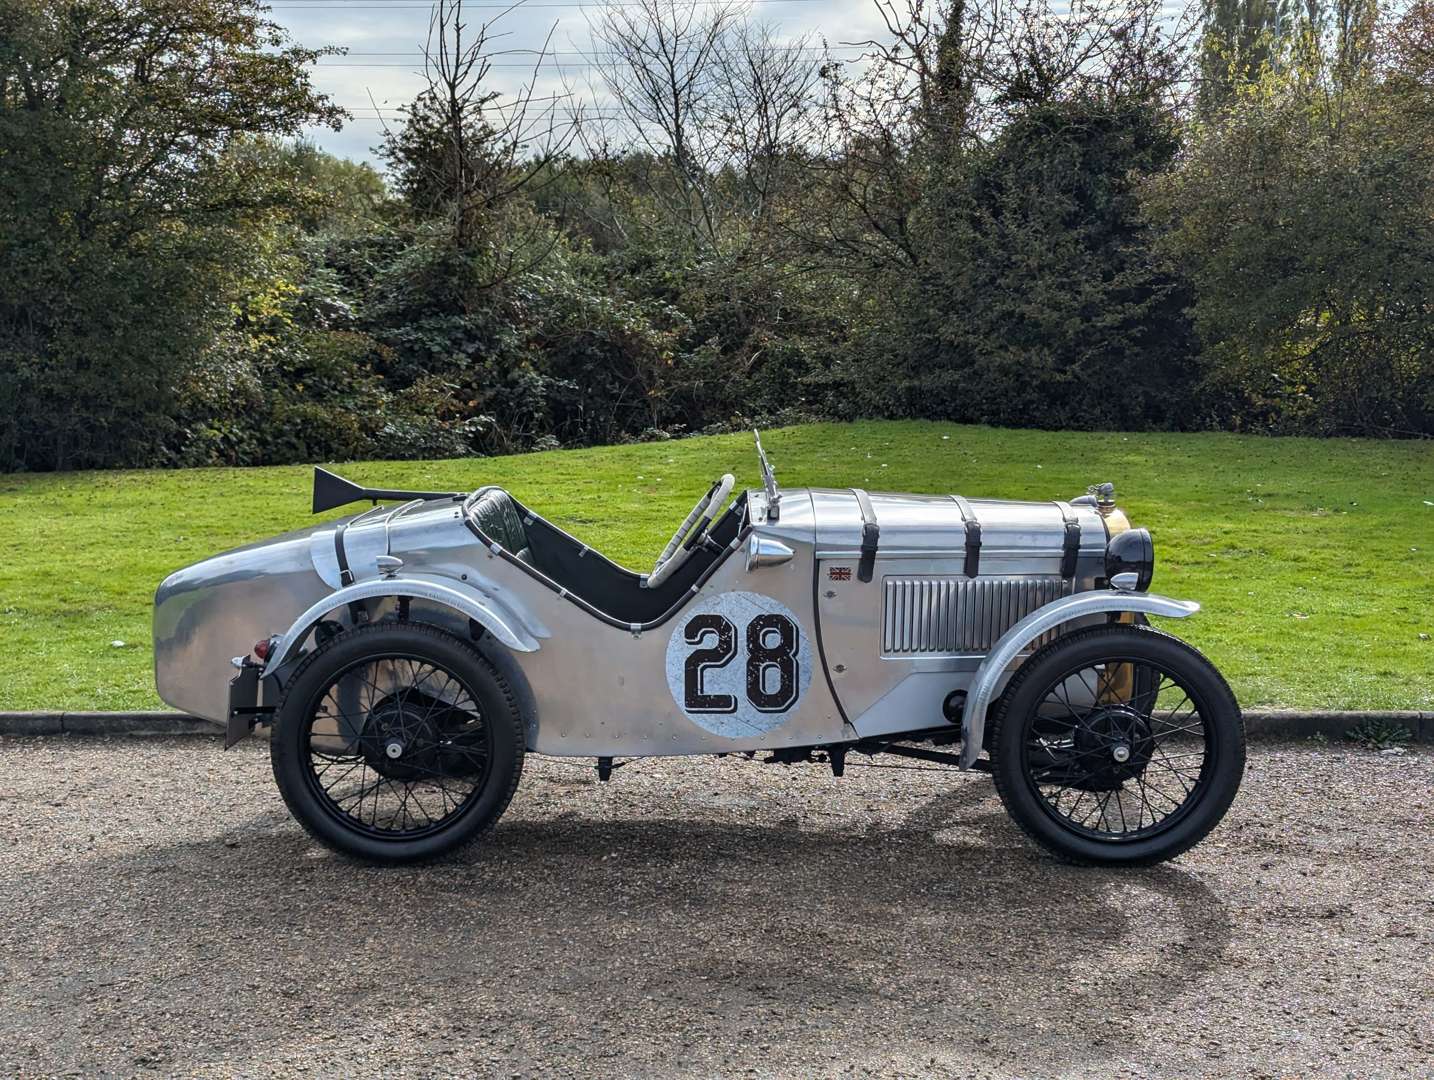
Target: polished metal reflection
<point>764,551</point>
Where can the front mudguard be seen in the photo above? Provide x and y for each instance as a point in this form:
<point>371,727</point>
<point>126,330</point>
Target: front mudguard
<point>990,676</point>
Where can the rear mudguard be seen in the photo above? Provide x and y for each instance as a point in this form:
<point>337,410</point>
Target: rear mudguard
<point>499,619</point>
<point>990,676</point>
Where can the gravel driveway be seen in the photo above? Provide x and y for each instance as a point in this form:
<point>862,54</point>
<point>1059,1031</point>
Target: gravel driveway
<point>160,912</point>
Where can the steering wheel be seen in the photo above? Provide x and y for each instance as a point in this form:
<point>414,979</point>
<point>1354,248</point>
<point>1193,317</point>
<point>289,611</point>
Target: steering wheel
<point>690,533</point>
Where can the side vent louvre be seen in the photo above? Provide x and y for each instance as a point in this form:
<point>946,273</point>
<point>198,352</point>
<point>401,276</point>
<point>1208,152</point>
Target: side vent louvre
<point>953,615</point>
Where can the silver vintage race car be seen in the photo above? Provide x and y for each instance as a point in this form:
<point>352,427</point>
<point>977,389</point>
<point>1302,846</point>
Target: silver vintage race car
<point>410,656</point>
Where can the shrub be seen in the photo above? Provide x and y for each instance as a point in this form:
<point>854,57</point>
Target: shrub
<point>1039,299</point>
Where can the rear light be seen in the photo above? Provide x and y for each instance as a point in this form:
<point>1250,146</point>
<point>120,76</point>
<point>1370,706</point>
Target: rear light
<point>263,648</point>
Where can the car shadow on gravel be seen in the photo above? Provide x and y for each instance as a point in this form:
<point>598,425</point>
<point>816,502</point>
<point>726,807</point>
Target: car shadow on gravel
<point>698,931</point>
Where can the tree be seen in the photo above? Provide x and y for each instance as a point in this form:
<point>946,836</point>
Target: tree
<point>337,195</point>
<point>1041,301</point>
<point>946,80</point>
<point>117,118</point>
<point>1241,39</point>
<point>983,185</point>
<point>1246,40</point>
<point>1405,55</point>
<point>449,304</point>
<point>1306,221</point>
<point>719,111</point>
<point>464,155</point>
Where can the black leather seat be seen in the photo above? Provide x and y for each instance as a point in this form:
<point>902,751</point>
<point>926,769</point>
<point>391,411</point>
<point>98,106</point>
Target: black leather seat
<point>585,575</point>
<point>495,514</point>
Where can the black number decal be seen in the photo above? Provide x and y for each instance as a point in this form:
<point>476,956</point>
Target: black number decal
<point>773,670</point>
<point>700,660</point>
<point>766,657</point>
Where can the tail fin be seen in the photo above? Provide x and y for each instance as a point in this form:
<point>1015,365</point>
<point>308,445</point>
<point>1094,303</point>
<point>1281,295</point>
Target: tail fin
<point>332,490</point>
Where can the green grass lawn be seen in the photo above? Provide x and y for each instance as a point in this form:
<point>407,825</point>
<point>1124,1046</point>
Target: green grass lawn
<point>1314,559</point>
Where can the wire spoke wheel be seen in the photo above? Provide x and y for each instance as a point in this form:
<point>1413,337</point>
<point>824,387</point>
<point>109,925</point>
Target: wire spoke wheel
<point>1118,749</point>
<point>397,746</point>
<point>1117,744</point>
<point>397,742</point>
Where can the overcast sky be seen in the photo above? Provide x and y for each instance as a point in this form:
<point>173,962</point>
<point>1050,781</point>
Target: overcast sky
<point>385,39</point>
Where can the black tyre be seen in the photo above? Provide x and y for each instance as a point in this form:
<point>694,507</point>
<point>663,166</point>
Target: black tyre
<point>397,742</point>
<point>1117,745</point>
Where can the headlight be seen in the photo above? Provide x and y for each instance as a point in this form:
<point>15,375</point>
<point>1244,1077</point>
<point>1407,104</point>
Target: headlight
<point>1130,553</point>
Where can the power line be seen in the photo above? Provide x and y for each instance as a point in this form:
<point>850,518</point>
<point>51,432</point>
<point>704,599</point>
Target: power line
<point>524,67</point>
<point>515,100</point>
<point>585,59</point>
<point>419,5</point>
<point>396,120</point>
<point>580,52</point>
<point>521,67</point>
<point>396,113</point>
<point>401,111</point>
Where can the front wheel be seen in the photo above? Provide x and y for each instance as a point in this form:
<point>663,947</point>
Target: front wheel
<point>1117,745</point>
<point>397,742</point>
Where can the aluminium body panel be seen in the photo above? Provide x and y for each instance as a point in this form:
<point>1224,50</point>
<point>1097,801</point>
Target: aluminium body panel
<point>430,536</point>
<point>890,650</point>
<point>896,646</point>
<point>604,690</point>
<point>1013,533</point>
<point>211,611</point>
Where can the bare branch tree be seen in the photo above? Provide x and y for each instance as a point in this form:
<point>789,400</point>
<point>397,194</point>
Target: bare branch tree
<point>662,68</point>
<point>766,97</point>
<point>716,107</point>
<point>464,151</point>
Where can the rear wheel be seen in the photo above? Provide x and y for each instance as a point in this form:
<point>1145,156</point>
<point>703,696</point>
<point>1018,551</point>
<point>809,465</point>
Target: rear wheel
<point>1118,744</point>
<point>397,742</point>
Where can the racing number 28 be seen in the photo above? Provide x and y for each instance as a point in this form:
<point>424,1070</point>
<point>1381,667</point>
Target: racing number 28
<point>771,649</point>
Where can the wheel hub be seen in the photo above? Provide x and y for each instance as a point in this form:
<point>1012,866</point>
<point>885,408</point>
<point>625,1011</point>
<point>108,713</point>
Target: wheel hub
<point>409,736</point>
<point>1112,745</point>
<point>400,740</point>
